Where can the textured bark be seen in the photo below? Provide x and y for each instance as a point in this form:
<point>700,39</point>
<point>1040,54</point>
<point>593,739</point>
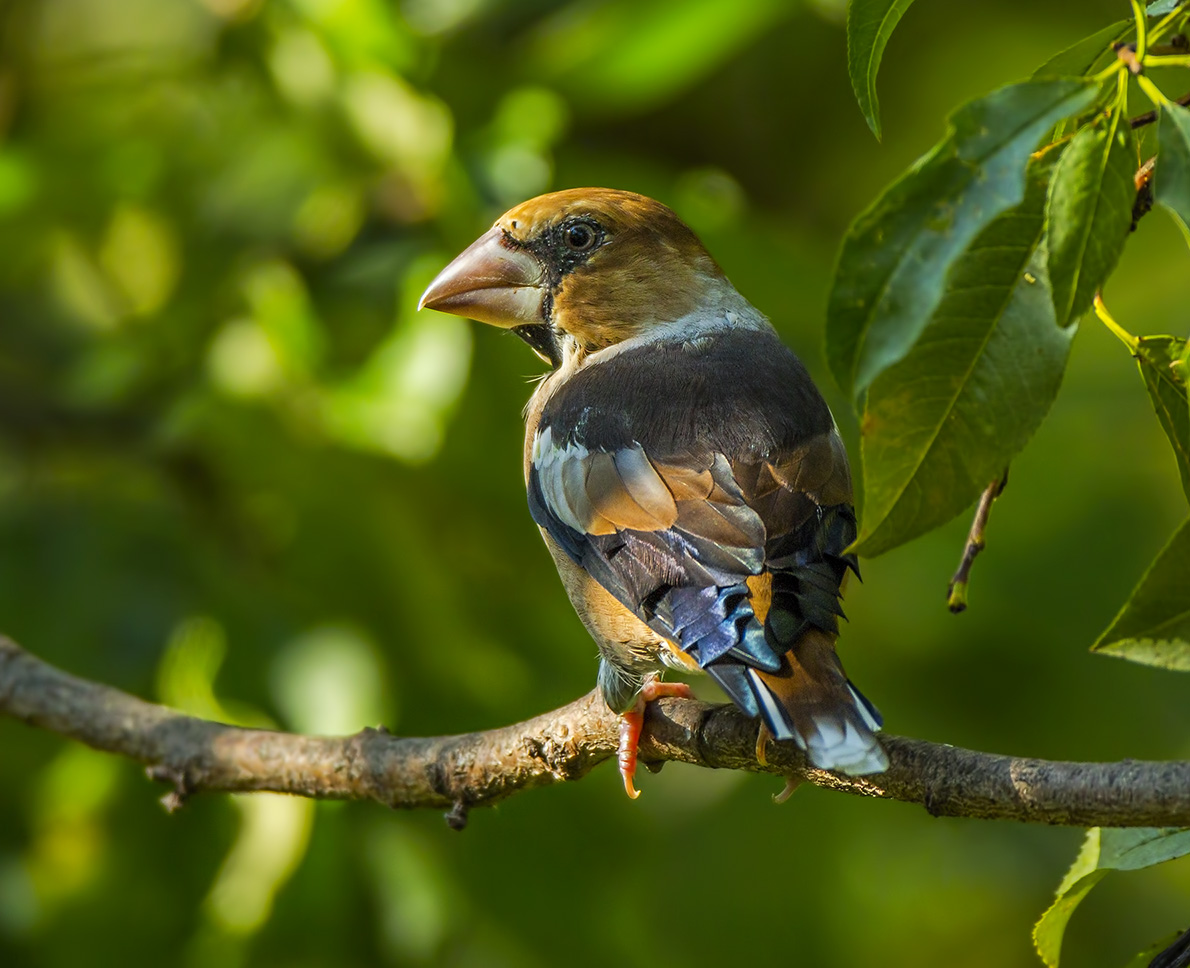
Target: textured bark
<point>474,769</point>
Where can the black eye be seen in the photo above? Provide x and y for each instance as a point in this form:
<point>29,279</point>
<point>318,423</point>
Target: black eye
<point>579,236</point>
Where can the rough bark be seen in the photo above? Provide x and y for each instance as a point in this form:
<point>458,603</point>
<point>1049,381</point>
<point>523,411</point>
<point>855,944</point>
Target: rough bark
<point>475,769</point>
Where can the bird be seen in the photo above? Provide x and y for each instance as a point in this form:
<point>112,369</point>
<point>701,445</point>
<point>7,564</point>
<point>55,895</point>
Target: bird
<point>685,472</point>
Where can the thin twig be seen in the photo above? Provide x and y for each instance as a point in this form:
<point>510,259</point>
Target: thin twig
<point>457,773</point>
<point>1150,116</point>
<point>1177,955</point>
<point>956,591</point>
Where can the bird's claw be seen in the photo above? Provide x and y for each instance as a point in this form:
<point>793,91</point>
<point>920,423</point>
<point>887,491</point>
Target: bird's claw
<point>763,735</point>
<point>633,721</point>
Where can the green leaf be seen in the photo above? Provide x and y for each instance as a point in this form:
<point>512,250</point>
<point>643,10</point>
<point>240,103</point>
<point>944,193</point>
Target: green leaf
<point>869,25</point>
<point>894,261</point>
<point>1105,849</point>
<point>1089,55</point>
<point>1171,182</point>
<point>1161,360</point>
<point>948,418</point>
<point>1089,213</point>
<point>1154,627</point>
<point>1143,959</point>
<point>1159,8</point>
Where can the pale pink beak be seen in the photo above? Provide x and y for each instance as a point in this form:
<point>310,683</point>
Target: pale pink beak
<point>492,281</point>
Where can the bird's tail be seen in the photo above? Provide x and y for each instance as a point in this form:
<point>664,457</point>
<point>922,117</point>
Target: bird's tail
<point>811,701</point>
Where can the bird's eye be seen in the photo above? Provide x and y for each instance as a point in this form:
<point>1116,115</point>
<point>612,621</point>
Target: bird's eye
<point>579,236</point>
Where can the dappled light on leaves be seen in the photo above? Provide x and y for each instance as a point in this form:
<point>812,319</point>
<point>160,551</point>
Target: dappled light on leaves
<point>242,361</point>
<point>419,906</point>
<point>71,839</point>
<point>331,681</point>
<point>398,401</point>
<point>274,831</point>
<point>139,255</point>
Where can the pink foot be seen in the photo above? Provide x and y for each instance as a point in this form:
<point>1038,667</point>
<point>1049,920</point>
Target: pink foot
<point>633,721</point>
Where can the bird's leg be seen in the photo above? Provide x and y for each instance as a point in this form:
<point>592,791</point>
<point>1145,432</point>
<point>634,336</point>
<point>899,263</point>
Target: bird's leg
<point>633,721</point>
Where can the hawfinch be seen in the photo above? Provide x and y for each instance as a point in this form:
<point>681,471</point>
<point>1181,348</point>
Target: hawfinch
<point>685,472</point>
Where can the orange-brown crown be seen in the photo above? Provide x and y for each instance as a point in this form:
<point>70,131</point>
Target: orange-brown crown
<point>597,264</point>
<point>648,266</point>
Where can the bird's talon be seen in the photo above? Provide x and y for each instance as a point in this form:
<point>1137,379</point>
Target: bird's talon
<point>633,721</point>
<point>763,735</point>
<point>791,784</point>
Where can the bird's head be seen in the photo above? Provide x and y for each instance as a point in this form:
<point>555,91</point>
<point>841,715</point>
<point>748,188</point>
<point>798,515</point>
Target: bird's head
<point>596,265</point>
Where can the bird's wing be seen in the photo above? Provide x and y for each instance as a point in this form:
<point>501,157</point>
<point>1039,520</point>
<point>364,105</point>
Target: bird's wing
<point>703,499</point>
<point>673,542</point>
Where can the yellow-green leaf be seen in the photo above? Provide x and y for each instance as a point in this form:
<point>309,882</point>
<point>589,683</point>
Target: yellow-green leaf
<point>1087,56</point>
<point>1105,849</point>
<point>1154,627</point>
<point>870,23</point>
<point>1162,364</point>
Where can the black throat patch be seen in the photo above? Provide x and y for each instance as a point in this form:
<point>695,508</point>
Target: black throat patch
<point>543,340</point>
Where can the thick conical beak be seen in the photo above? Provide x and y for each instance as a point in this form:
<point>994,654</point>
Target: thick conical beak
<point>491,281</point>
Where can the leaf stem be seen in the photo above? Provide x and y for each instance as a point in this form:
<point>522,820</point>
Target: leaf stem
<point>1142,22</point>
<point>1119,331</point>
<point>1152,91</point>
<point>1113,68</point>
<point>1169,60</point>
<point>1049,147</point>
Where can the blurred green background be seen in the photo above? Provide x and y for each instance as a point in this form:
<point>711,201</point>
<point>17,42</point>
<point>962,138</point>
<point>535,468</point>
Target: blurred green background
<point>240,474</point>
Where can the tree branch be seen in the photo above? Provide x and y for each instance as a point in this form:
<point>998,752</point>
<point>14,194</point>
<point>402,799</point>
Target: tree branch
<point>459,772</point>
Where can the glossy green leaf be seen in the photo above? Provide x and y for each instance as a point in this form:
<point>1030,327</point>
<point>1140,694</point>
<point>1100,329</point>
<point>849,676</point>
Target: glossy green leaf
<point>1089,213</point>
<point>1171,181</point>
<point>892,269</point>
<point>1088,55</point>
<point>948,418</point>
<point>870,23</point>
<point>1161,360</point>
<point>1154,627</point>
<point>1105,849</point>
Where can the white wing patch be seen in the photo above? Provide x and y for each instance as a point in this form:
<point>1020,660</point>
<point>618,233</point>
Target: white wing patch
<point>597,492</point>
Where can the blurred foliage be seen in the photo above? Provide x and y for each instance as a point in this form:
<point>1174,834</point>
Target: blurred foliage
<point>240,474</point>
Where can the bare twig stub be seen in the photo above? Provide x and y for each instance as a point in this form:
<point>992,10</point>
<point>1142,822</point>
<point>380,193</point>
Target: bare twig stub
<point>956,591</point>
<point>457,773</point>
<point>1150,116</point>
